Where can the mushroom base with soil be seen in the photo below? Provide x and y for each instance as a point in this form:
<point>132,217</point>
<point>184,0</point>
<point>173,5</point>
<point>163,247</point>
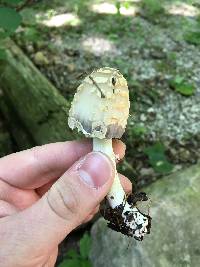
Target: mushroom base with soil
<point>122,213</point>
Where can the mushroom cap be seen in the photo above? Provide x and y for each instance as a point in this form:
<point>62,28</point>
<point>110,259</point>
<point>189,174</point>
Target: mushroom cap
<point>100,107</point>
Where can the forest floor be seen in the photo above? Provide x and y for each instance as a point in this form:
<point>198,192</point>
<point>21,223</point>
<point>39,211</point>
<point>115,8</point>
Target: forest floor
<point>155,44</point>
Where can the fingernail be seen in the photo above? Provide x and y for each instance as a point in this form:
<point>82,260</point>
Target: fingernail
<point>118,141</point>
<point>95,170</point>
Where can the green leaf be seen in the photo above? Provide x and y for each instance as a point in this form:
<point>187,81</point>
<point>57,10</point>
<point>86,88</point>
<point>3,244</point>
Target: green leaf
<point>182,87</point>
<point>154,149</point>
<point>2,54</point>
<point>185,89</point>
<point>76,260</point>
<point>70,263</point>
<point>85,245</point>
<point>126,4</point>
<point>178,79</point>
<point>157,158</point>
<point>9,19</point>
<point>162,166</point>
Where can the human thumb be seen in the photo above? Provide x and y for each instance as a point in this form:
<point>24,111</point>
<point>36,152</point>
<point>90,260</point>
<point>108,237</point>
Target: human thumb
<point>76,194</point>
<point>68,202</point>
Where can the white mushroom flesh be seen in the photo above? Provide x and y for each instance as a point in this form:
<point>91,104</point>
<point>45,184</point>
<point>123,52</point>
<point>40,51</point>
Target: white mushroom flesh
<point>100,110</point>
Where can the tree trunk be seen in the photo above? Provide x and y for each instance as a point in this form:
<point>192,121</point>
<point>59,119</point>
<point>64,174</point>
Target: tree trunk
<point>32,100</point>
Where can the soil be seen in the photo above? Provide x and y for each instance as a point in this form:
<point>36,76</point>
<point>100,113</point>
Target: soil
<point>116,217</point>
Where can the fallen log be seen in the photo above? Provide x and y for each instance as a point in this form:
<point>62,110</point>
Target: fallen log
<point>18,134</point>
<point>5,144</point>
<point>32,99</point>
<point>5,139</point>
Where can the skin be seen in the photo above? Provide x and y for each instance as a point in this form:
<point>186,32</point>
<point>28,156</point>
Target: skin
<point>34,218</point>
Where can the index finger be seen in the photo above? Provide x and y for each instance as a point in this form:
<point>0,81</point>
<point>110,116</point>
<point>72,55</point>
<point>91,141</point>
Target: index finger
<point>35,167</point>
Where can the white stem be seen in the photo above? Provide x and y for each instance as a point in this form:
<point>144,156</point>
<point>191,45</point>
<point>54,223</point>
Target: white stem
<point>135,223</point>
<point>116,196</point>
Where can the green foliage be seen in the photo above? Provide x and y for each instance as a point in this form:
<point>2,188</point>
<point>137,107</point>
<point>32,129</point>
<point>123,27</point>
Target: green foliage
<point>192,32</point>
<point>158,159</point>
<point>12,2</point>
<point>2,54</point>
<point>172,56</point>
<point>126,4</point>
<point>139,130</point>
<point>116,27</point>
<point>75,263</point>
<point>152,7</point>
<point>85,245</point>
<point>29,17</point>
<point>182,87</point>
<point>9,19</point>
<point>81,259</point>
<point>185,89</point>
<point>118,5</point>
<point>193,37</point>
<point>32,34</point>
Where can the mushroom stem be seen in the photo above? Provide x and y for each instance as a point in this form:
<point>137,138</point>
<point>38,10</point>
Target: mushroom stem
<point>116,194</point>
<point>122,215</point>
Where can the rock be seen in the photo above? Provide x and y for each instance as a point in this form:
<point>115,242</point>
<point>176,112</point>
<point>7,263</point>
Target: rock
<point>157,53</point>
<point>143,117</point>
<point>71,67</point>
<point>147,172</point>
<point>30,48</point>
<point>40,59</point>
<point>174,239</point>
<point>184,155</point>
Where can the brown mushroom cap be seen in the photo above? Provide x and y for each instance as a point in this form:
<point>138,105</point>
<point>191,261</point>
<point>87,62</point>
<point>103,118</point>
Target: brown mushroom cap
<point>100,107</point>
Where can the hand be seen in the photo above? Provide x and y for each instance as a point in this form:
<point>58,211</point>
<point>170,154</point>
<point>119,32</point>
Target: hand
<point>45,193</point>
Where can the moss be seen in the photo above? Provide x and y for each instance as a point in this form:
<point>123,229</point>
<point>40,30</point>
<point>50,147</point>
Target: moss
<point>38,105</point>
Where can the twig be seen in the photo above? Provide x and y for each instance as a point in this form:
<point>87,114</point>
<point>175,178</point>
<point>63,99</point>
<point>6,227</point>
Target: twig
<point>102,94</point>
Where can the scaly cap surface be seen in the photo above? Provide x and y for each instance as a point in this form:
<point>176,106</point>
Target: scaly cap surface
<point>100,107</point>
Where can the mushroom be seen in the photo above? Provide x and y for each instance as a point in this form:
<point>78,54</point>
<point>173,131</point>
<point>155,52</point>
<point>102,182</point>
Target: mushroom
<point>100,110</point>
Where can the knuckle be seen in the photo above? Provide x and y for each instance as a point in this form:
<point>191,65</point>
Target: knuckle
<point>65,202</point>
<point>69,198</point>
<point>36,151</point>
